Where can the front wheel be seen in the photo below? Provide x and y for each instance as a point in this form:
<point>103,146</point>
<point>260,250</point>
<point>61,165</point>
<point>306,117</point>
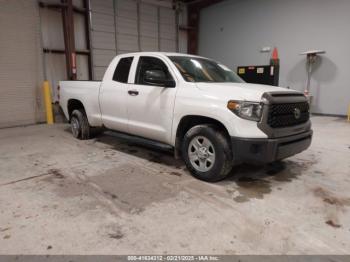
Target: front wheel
<point>206,152</point>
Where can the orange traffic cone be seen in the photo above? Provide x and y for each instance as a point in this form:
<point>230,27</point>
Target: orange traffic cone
<point>274,58</point>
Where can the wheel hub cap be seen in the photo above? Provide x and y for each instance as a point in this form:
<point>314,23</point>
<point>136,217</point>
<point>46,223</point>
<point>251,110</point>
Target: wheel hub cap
<point>75,126</point>
<point>201,153</point>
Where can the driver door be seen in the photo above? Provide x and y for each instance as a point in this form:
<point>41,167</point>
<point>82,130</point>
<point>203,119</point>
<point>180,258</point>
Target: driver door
<point>150,107</point>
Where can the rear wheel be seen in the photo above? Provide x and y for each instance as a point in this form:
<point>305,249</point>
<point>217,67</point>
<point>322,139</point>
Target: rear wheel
<point>79,125</point>
<point>207,153</point>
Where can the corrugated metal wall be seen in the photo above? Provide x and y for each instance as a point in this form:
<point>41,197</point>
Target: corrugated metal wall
<point>102,35</point>
<point>126,26</point>
<point>122,26</point>
<point>149,35</point>
<point>117,26</point>
<point>167,29</point>
<point>53,38</point>
<point>20,63</point>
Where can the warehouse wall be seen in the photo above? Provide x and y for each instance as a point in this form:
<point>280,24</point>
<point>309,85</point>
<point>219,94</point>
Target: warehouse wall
<point>234,32</point>
<point>52,38</point>
<point>122,26</point>
<point>20,63</point>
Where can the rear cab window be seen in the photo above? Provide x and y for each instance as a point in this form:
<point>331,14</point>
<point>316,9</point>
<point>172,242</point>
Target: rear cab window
<point>121,73</point>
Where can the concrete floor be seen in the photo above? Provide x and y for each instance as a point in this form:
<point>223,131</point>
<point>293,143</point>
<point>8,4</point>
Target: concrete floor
<point>59,195</point>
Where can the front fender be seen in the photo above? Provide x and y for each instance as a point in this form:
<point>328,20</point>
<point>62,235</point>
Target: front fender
<point>235,126</point>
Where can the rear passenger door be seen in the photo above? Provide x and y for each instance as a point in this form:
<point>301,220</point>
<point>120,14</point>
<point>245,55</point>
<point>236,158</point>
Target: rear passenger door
<point>113,96</point>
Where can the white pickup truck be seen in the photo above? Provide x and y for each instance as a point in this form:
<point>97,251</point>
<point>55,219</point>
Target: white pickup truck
<point>211,117</point>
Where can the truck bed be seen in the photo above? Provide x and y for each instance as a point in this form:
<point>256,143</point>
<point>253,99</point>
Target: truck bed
<point>85,91</point>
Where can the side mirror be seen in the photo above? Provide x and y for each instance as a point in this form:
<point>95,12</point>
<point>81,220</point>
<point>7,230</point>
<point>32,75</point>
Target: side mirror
<point>158,78</point>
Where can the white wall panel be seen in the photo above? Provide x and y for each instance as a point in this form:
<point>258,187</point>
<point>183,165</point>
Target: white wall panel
<point>52,30</point>
<point>103,40</point>
<point>82,67</point>
<point>127,43</point>
<point>162,3</point>
<point>148,13</point>
<point>102,6</point>
<point>126,26</point>
<point>99,72</point>
<point>167,30</point>
<point>167,45</point>
<point>102,22</point>
<point>126,8</point>
<point>121,26</point>
<point>53,38</point>
<point>167,16</point>
<point>20,63</point>
<point>103,57</point>
<point>149,44</point>
<point>183,33</point>
<point>81,44</point>
<point>79,32</point>
<point>55,71</point>
<point>149,27</point>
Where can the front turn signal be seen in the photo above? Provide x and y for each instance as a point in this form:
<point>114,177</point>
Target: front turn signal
<point>232,105</point>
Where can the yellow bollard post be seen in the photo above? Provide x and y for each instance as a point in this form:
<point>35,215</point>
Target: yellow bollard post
<point>48,102</point>
<point>349,113</point>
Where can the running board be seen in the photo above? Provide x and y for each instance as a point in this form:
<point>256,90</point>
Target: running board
<point>140,140</point>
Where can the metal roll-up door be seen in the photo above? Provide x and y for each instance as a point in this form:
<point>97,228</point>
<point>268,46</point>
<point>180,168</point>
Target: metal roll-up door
<point>149,40</point>
<point>167,26</point>
<point>20,63</point>
<point>103,35</point>
<point>126,26</point>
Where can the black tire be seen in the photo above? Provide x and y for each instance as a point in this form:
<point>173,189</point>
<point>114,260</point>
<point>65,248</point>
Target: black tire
<point>80,125</point>
<point>223,162</point>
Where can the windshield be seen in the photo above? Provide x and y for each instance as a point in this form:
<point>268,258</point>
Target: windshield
<point>195,69</point>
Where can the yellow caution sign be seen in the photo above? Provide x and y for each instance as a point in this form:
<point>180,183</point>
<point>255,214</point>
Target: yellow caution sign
<point>241,71</point>
<point>48,102</point>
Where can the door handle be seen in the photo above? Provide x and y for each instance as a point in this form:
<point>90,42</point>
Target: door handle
<point>133,92</point>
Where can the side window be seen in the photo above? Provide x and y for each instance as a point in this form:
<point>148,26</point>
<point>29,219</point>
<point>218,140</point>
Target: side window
<point>150,63</point>
<point>121,73</point>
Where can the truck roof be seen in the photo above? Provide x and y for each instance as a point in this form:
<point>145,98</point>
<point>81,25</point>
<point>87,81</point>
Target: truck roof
<point>160,53</point>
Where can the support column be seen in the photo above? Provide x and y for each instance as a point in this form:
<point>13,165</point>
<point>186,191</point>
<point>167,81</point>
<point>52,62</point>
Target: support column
<point>69,42</point>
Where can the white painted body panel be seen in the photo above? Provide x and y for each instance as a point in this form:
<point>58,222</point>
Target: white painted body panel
<point>157,111</point>
<point>113,101</point>
<point>239,91</point>
<point>85,91</point>
<point>150,114</point>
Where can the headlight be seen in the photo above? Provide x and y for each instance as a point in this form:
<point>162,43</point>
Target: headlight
<point>246,110</point>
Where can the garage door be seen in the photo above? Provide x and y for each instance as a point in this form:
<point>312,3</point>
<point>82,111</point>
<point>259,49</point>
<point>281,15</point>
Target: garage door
<point>20,72</point>
<point>123,26</point>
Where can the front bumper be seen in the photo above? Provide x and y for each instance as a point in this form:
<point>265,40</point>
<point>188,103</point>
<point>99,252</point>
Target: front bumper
<point>267,150</point>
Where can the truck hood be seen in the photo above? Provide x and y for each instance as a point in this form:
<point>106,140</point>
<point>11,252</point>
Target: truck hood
<point>239,91</point>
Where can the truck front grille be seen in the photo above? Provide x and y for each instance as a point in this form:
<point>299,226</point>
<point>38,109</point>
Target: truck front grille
<point>290,114</point>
